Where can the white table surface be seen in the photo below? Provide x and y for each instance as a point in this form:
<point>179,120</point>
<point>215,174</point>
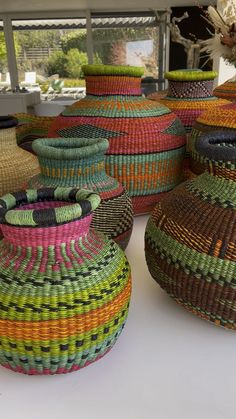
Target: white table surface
<point>167,364</point>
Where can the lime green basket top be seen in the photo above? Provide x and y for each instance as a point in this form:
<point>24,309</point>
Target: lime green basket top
<point>112,70</point>
<point>190,75</point>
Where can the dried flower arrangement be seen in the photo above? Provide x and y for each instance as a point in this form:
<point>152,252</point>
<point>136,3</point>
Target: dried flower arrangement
<point>223,41</point>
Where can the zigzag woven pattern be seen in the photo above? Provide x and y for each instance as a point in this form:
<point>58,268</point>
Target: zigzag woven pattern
<point>226,90</point>
<point>31,127</point>
<point>223,118</point>
<point>146,140</point>
<point>188,97</point>
<point>190,89</point>
<point>80,163</point>
<point>190,239</point>
<point>188,110</point>
<point>64,289</point>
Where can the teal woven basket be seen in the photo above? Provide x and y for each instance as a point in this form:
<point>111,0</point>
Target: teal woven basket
<point>80,163</point>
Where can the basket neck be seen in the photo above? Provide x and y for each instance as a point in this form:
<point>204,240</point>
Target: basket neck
<point>71,162</point>
<point>108,85</point>
<point>190,89</point>
<point>54,236</point>
<point>73,172</point>
<point>47,216</point>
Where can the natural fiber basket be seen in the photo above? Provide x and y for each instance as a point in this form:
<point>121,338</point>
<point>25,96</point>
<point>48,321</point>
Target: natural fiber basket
<point>223,118</point>
<point>31,127</point>
<point>80,163</point>
<point>146,140</point>
<point>16,165</point>
<point>64,287</point>
<point>190,92</point>
<point>190,239</point>
<point>226,90</point>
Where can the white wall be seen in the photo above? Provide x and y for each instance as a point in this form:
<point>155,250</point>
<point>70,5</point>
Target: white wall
<point>226,71</point>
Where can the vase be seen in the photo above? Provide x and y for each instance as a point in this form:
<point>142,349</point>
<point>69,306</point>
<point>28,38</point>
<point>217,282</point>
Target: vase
<point>16,165</point>
<point>146,140</point>
<point>190,92</point>
<point>64,288</point>
<point>31,127</point>
<point>227,90</point>
<point>80,163</point>
<point>223,118</point>
<point>190,237</point>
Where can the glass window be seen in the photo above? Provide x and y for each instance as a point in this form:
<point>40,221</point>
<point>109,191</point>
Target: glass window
<point>127,41</point>
<point>4,74</point>
<point>49,57</point>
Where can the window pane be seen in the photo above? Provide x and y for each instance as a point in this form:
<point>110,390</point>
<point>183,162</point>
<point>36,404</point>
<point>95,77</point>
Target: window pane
<point>4,74</point>
<point>50,53</point>
<point>129,42</point>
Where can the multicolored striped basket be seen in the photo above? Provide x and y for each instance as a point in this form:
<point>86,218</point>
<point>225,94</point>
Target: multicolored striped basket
<point>227,90</point>
<point>31,127</point>
<point>80,163</point>
<point>223,118</point>
<point>64,287</point>
<point>190,238</point>
<point>16,165</point>
<point>190,93</point>
<point>146,140</point>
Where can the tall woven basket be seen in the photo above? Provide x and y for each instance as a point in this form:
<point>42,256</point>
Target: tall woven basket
<point>223,118</point>
<point>16,165</point>
<point>80,163</point>
<point>64,287</point>
<point>190,92</point>
<point>146,140</point>
<point>190,237</point>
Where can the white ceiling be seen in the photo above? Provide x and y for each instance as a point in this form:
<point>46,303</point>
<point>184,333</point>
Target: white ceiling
<point>24,6</point>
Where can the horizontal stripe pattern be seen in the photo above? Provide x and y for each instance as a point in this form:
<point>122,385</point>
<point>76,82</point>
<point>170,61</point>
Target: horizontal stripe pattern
<point>190,247</point>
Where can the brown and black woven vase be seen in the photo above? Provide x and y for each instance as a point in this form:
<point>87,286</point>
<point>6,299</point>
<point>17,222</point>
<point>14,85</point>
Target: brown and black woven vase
<point>221,118</point>
<point>190,238</point>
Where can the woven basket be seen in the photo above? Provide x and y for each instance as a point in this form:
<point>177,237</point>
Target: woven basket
<point>64,287</point>
<point>190,238</point>
<point>16,165</point>
<point>31,127</point>
<point>190,92</point>
<point>223,118</point>
<point>226,90</point>
<point>80,163</point>
<point>146,140</point>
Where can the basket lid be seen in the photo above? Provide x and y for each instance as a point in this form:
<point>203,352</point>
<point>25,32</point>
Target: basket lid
<point>190,75</point>
<point>112,70</point>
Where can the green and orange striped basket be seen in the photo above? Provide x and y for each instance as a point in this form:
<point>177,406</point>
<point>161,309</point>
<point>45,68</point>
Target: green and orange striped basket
<point>64,287</point>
